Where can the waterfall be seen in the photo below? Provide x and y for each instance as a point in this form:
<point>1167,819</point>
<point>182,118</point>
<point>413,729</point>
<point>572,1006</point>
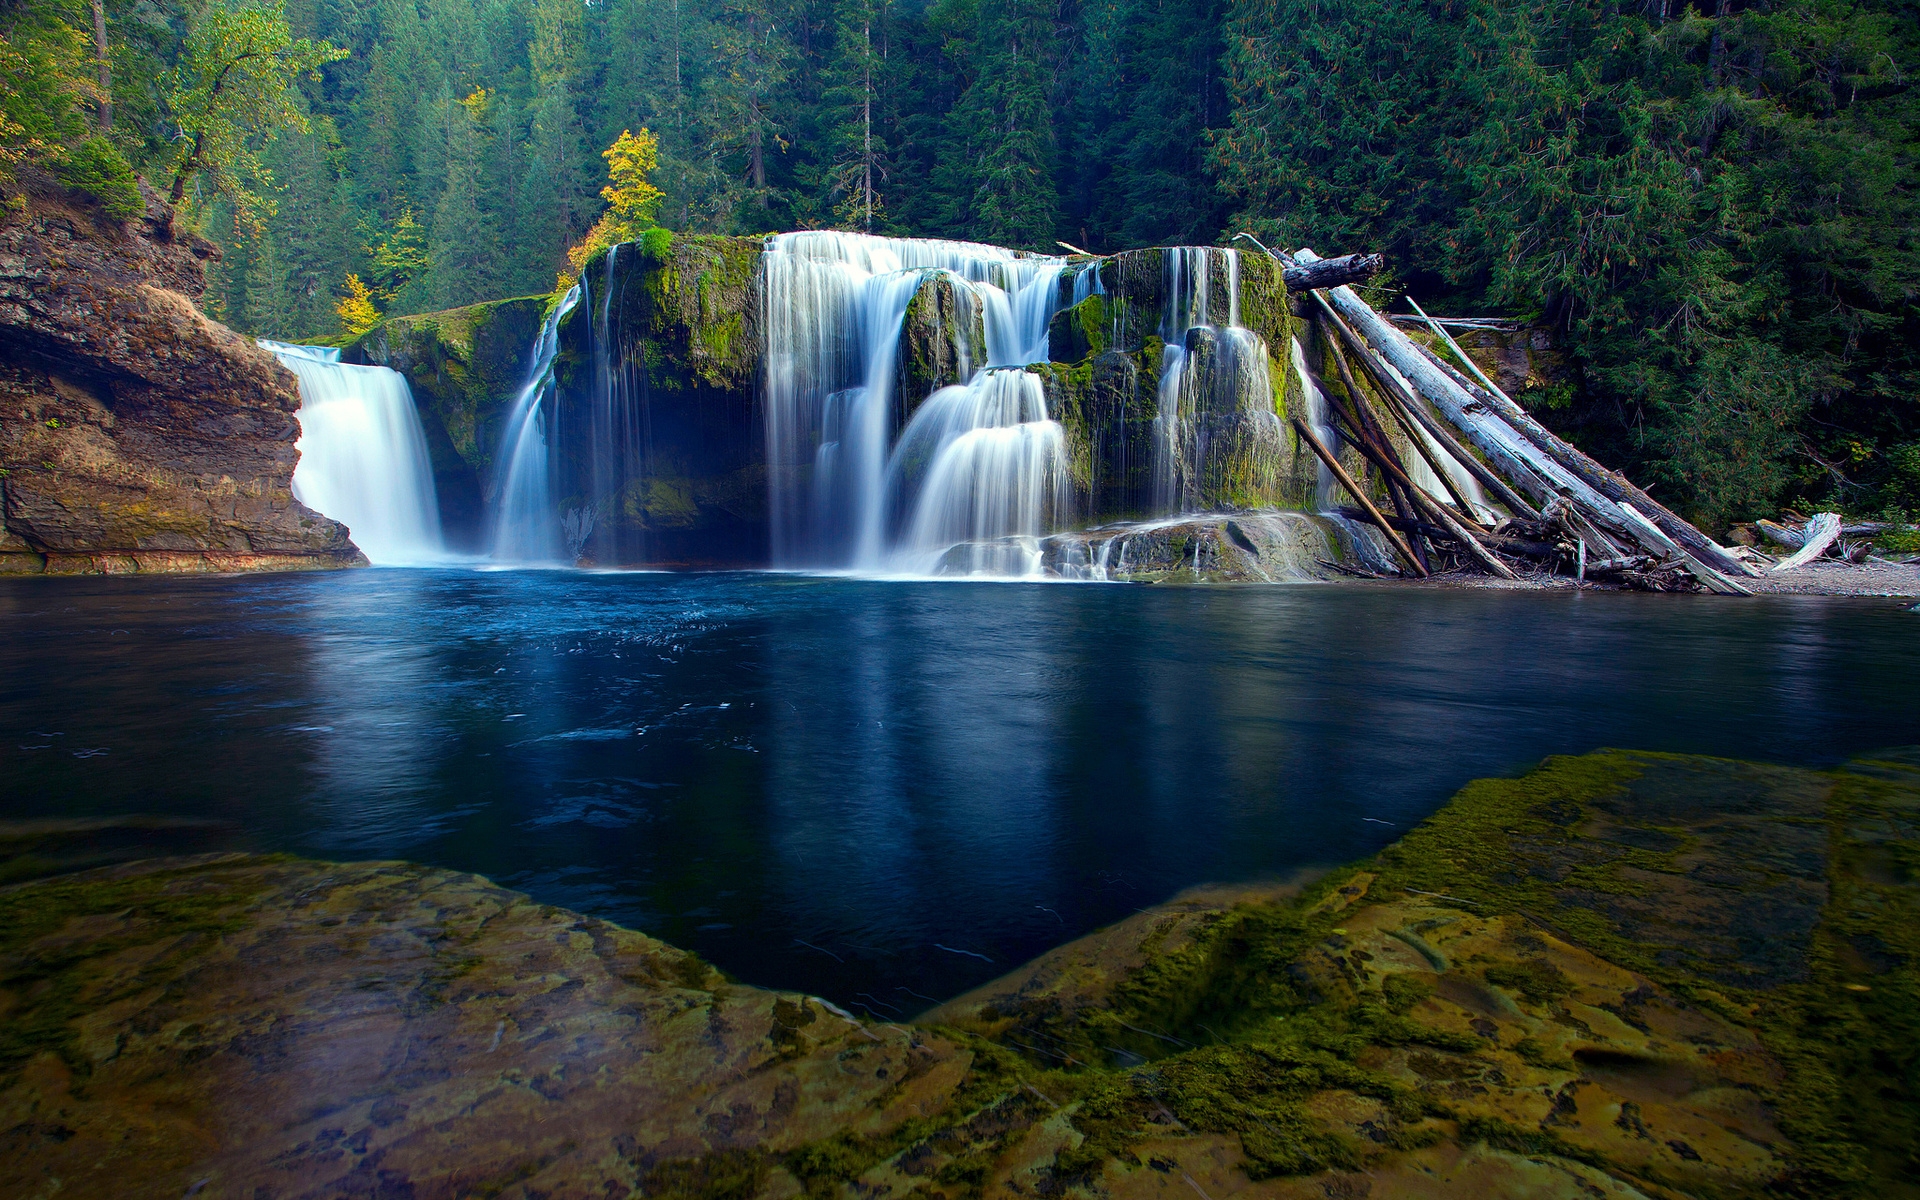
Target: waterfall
<point>527,527</point>
<point>363,455</point>
<point>842,493</point>
<point>993,476</point>
<point>1239,363</point>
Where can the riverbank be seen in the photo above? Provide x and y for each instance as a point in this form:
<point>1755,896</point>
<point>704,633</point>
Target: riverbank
<point>1623,974</point>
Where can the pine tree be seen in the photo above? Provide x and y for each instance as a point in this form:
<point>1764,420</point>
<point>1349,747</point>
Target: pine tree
<point>752,61</point>
<point>854,115</point>
<point>1005,135</point>
<point>465,240</point>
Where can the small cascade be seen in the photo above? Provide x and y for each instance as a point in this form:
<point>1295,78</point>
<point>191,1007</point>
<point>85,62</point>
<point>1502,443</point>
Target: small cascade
<point>527,525</point>
<point>619,448</point>
<point>988,472</point>
<point>363,455</point>
<point>842,493</point>
<point>1205,368</point>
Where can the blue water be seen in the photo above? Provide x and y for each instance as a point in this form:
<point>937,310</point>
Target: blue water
<point>882,793</point>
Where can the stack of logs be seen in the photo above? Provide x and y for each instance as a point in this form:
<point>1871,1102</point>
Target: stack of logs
<point>1569,514</point>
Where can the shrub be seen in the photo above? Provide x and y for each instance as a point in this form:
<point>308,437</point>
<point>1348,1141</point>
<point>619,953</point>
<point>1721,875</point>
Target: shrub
<point>97,169</point>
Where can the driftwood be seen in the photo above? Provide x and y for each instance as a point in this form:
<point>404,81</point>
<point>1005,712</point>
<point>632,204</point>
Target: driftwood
<point>1406,406</point>
<point>1400,418</point>
<point>1611,484</point>
<point>1355,490</point>
<point>1333,272</point>
<point>1822,531</point>
<point>1507,440</point>
<point>1784,535</point>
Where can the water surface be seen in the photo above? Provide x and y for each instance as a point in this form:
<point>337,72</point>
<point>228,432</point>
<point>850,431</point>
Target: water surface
<point>879,792</point>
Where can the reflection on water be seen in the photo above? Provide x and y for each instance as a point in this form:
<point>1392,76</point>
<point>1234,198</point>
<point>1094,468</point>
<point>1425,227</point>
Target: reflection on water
<point>879,792</point>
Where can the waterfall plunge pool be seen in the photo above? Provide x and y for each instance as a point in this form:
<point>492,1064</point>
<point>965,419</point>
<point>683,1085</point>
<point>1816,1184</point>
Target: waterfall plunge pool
<point>879,792</point>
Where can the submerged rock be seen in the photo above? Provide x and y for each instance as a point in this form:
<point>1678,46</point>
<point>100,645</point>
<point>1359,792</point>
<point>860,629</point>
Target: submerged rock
<point>1623,975</point>
<point>135,433</point>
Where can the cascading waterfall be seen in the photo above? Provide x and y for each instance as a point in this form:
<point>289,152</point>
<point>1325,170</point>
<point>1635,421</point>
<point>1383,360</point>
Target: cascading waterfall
<point>994,477</point>
<point>978,465</point>
<point>1240,363</point>
<point>527,526</point>
<point>363,455</point>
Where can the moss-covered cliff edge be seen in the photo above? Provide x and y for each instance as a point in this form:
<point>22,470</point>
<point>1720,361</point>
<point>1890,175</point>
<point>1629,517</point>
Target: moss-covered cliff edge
<point>1628,975</point>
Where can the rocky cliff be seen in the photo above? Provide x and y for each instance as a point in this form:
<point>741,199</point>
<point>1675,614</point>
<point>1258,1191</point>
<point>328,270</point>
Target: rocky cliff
<point>659,431</point>
<point>135,433</point>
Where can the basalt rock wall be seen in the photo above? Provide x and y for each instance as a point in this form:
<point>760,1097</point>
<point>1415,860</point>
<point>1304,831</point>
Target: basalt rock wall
<point>661,435</point>
<point>1109,356</point>
<point>136,434</point>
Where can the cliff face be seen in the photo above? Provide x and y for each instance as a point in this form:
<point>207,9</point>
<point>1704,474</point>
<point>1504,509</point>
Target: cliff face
<point>660,432</point>
<point>661,429</point>
<point>135,433</point>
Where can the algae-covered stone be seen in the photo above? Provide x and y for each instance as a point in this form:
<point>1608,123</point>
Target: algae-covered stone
<point>1623,974</point>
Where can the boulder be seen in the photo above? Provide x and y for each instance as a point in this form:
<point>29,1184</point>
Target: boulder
<point>943,339</point>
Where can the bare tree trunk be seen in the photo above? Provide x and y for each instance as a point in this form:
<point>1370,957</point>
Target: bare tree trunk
<point>104,69</point>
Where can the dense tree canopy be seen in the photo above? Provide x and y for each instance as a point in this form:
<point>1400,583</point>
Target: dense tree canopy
<point>1712,202</point>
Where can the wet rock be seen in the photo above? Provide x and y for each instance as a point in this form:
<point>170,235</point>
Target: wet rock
<point>943,339</point>
<point>135,433</point>
<point>302,1029</point>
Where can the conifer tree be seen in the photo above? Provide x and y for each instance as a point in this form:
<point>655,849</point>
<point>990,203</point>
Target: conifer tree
<point>465,241</point>
<point>752,61</point>
<point>854,131</point>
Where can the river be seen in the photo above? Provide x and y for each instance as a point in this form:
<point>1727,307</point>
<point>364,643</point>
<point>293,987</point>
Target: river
<point>879,792</point>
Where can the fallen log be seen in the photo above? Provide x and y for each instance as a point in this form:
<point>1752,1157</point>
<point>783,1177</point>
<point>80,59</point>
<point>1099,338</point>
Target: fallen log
<point>1783,535</point>
<point>1366,431</point>
<point>1653,536</point>
<point>1353,393</point>
<point>1354,490</point>
<point>1393,393</point>
<point>1611,484</point>
<point>1488,430</point>
<point>1822,531</point>
<point>1333,272</point>
<point>1502,543</point>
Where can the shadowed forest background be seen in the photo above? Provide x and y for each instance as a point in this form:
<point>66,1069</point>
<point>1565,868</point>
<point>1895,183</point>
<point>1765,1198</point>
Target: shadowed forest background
<point>1712,205</point>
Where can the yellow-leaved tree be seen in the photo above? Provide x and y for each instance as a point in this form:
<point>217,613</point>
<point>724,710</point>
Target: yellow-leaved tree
<point>631,200</point>
<point>358,313</point>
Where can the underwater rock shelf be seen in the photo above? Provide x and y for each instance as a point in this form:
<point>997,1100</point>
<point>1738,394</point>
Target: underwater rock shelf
<point>1623,974</point>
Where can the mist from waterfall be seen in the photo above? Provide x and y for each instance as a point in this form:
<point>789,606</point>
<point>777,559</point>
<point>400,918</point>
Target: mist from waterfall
<point>363,455</point>
<point>978,461</point>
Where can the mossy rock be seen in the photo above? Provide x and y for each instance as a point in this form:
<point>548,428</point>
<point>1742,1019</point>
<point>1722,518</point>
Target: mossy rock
<point>668,333</point>
<point>943,340</point>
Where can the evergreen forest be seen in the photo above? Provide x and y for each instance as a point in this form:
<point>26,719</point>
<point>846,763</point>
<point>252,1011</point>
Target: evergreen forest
<point>1711,204</point>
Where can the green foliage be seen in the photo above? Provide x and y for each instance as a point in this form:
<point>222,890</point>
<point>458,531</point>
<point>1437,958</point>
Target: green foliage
<point>232,89</point>
<point>1709,207</point>
<point>44,77</point>
<point>98,168</point>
